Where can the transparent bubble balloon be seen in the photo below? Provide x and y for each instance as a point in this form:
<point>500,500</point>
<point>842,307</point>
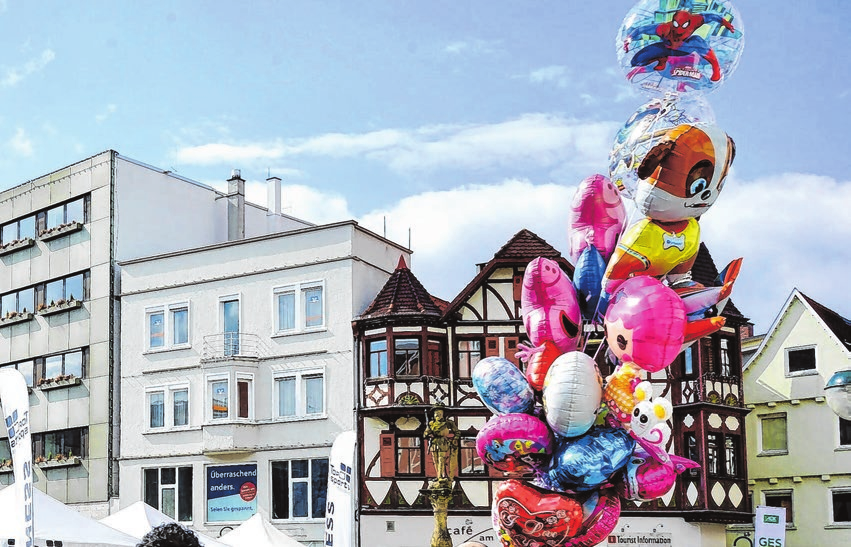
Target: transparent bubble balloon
<point>644,129</point>
<point>682,46</point>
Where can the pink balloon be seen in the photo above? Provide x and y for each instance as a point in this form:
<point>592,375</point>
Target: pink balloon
<point>646,478</point>
<point>597,217</point>
<point>645,323</point>
<point>549,306</point>
<point>601,512</point>
<point>517,443</point>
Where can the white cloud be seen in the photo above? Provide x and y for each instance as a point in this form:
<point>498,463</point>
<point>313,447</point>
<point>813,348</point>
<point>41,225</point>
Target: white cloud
<point>791,229</point>
<point>473,47</point>
<point>15,75</point>
<point>539,140</point>
<point>20,143</point>
<point>108,111</point>
<point>453,230</point>
<point>556,74</point>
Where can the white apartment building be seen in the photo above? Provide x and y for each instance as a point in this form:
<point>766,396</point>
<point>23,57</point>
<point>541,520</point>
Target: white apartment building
<point>61,237</point>
<point>238,373</point>
<point>799,451</point>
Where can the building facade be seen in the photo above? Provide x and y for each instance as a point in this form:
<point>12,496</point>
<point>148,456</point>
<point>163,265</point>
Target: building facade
<point>799,451</point>
<point>416,351</point>
<point>61,237</point>
<point>238,373</point>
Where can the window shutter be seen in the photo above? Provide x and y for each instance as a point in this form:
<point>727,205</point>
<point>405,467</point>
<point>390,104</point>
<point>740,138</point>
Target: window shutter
<point>492,346</point>
<point>509,346</point>
<point>388,455</point>
<point>518,286</point>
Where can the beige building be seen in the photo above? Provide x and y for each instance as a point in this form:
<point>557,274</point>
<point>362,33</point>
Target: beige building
<point>61,237</point>
<point>798,450</point>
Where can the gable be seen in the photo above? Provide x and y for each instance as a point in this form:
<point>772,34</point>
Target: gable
<point>766,376</point>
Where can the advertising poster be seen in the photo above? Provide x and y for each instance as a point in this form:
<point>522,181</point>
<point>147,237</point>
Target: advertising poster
<point>340,503</point>
<point>770,526</point>
<point>231,492</point>
<point>16,409</point>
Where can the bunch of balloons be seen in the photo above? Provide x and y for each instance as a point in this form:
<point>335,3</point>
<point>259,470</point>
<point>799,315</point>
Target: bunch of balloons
<point>576,444</point>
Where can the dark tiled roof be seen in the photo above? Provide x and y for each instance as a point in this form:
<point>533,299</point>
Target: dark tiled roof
<point>835,322</point>
<point>705,272</point>
<point>403,295</point>
<point>526,245</point>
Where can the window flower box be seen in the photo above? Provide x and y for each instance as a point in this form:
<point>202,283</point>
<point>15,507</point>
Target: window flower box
<point>46,384</point>
<point>58,462</point>
<point>16,245</point>
<point>14,318</point>
<point>59,307</point>
<point>59,231</point>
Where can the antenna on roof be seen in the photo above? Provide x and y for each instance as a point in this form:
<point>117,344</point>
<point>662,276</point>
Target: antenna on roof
<point>409,237</point>
<point>385,226</point>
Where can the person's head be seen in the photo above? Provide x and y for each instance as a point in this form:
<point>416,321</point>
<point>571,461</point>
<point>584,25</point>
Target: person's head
<point>170,534</point>
<point>472,544</point>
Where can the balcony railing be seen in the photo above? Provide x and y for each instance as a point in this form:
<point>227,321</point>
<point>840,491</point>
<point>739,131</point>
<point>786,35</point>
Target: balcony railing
<point>711,388</point>
<point>234,345</point>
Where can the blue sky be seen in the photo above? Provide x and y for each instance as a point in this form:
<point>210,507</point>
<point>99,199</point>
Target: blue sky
<point>461,121</point>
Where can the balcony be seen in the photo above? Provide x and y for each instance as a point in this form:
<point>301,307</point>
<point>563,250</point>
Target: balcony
<point>230,438</point>
<point>16,245</point>
<point>13,318</point>
<point>389,392</point>
<point>712,388</point>
<point>59,231</point>
<point>229,346</point>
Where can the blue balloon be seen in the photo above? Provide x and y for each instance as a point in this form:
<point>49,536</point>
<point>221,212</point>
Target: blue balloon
<point>588,279</point>
<point>586,463</point>
<point>502,387</point>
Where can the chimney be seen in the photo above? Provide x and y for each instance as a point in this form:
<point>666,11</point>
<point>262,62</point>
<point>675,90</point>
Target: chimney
<point>273,195</point>
<point>236,206</point>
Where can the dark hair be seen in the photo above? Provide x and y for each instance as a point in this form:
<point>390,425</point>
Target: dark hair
<point>170,534</point>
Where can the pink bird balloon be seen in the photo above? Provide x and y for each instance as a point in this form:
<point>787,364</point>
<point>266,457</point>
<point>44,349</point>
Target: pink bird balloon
<point>550,308</point>
<point>597,217</point>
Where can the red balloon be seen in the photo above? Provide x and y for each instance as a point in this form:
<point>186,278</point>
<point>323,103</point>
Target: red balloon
<point>539,364</point>
<point>531,516</point>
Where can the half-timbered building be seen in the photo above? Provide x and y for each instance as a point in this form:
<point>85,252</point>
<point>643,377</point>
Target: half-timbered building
<point>416,351</point>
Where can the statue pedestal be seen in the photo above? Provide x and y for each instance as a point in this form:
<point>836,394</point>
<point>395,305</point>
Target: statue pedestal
<point>439,493</point>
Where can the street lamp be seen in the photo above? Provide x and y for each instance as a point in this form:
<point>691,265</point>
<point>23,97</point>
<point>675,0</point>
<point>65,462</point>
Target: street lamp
<point>838,393</point>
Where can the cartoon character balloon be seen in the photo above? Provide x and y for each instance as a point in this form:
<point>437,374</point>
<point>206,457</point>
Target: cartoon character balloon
<point>682,48</point>
<point>516,443</point>
<point>549,307</point>
<point>645,128</point>
<point>645,323</point>
<point>597,217</point>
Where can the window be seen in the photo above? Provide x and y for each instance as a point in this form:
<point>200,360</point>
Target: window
<point>168,406</point>
<point>406,356</point>
<point>712,453</point>
<point>68,442</point>
<point>169,489</point>
<point>299,488</point>
<point>168,326</point>
<point>219,399</point>
<point>773,434</point>
<point>469,353</point>
<point>21,301</point>
<point>72,211</point>
<point>26,370</point>
<point>724,357</point>
<point>731,456</point>
<point>690,444</point>
<point>377,358</point>
<point>17,230</point>
<point>244,393</point>
<point>470,463</point>
<point>781,498</point>
<point>844,432</point>
<point>59,291</point>
<point>72,363</point>
<point>409,459</point>
<point>230,325</point>
<point>300,307</point>
<point>801,360</point>
<point>841,510</point>
<point>301,394</point>
<point>688,361</point>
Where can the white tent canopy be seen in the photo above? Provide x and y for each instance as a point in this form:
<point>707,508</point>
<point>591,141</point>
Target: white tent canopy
<point>55,520</point>
<point>258,532</point>
<point>139,518</point>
